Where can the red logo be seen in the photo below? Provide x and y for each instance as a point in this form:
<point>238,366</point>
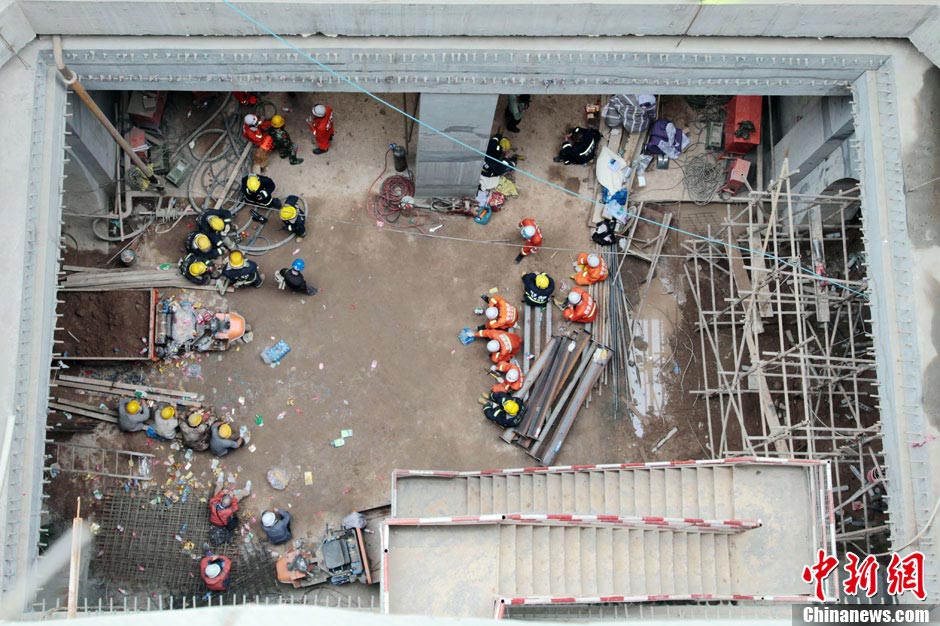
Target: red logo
<point>903,574</point>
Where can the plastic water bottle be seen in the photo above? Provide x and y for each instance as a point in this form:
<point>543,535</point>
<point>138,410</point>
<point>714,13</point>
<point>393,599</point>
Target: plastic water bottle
<point>275,353</point>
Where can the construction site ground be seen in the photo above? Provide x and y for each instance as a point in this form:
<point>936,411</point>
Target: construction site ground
<point>376,351</point>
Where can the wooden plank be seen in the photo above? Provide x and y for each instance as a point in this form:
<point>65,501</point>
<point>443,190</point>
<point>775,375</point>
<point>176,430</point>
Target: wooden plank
<point>537,331</point>
<point>234,175</point>
<point>70,409</point>
<point>127,394</point>
<point>87,407</point>
<point>526,337</point>
<point>192,395</point>
<point>758,266</point>
<point>819,263</point>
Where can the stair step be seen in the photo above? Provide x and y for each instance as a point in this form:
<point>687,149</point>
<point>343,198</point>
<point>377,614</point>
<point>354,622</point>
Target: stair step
<point>620,538</point>
<point>589,558</point>
<point>507,560</point>
<point>709,576</point>
<point>657,493</point>
<point>540,502</point>
<point>627,488</point>
<point>486,495</point>
<point>599,494</point>
<point>568,503</point>
<point>541,557</point>
<point>526,493</point>
<point>500,505</point>
<point>666,560</point>
<point>706,492</point>
<point>513,494</point>
<point>612,492</point>
<point>557,561</point>
<point>724,492</point>
<point>582,492</point>
<point>653,564</point>
<point>573,560</point>
<point>605,561</point>
<point>680,559</point>
<point>673,494</point>
<point>637,563</point>
<point>554,503</point>
<point>694,560</point>
<point>473,495</point>
<point>524,560</point>
<point>689,481</point>
<point>641,494</point>
<point>723,564</point>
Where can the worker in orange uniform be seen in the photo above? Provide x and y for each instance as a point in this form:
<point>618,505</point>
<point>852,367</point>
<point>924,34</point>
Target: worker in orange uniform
<point>321,125</point>
<point>223,510</point>
<point>581,306</point>
<point>215,571</point>
<point>255,131</point>
<point>502,346</point>
<point>499,314</point>
<point>512,378</point>
<point>591,269</point>
<point>532,236</point>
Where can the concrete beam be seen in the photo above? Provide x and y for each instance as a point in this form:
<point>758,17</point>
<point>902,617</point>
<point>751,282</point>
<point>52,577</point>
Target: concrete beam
<point>15,30</point>
<point>926,37</point>
<point>824,124</point>
<point>90,142</point>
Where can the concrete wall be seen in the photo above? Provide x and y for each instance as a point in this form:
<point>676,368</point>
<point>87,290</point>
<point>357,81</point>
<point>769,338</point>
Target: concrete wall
<point>90,143</point>
<point>821,127</point>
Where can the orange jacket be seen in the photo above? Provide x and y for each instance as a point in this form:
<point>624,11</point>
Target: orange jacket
<point>257,136</point>
<point>508,314</point>
<point>588,275</point>
<point>585,311</point>
<point>533,243</point>
<point>509,343</point>
<point>219,515</point>
<point>220,582</point>
<point>507,387</point>
<point>322,129</point>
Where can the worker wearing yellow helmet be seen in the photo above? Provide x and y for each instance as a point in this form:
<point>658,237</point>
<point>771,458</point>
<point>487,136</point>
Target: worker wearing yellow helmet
<point>285,147</point>
<point>195,430</point>
<point>503,409</point>
<point>197,269</point>
<point>214,222</point>
<point>132,414</point>
<point>294,218</point>
<point>242,272</point>
<point>220,440</point>
<point>258,191</point>
<point>165,423</point>
<point>537,288</point>
<point>206,246</point>
<point>498,161</point>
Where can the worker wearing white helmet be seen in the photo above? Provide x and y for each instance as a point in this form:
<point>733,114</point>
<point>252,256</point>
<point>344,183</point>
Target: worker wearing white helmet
<point>581,306</point>
<point>215,571</point>
<point>499,313</point>
<point>502,345</point>
<point>276,525</point>
<point>321,125</point>
<point>509,377</point>
<point>590,269</point>
<point>533,238</point>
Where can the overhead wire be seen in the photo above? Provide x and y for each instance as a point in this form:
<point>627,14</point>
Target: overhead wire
<point>455,140</point>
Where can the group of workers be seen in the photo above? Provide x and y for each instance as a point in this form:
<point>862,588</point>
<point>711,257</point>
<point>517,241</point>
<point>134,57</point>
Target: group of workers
<point>198,430</point>
<point>270,135</point>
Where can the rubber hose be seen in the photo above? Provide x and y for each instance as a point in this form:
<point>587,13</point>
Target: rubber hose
<point>189,139</point>
<point>94,228</point>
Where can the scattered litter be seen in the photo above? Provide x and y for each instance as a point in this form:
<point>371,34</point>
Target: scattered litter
<point>296,250</point>
<point>308,478</point>
<point>338,443</point>
<point>252,448</point>
<point>278,478</point>
<point>321,366</point>
<point>259,420</point>
<point>662,441</point>
<point>374,365</point>
<point>434,229</point>
<point>380,223</point>
<point>281,415</point>
<point>241,400</point>
<point>347,491</point>
<point>346,433</point>
<point>453,351</point>
<point>275,353</point>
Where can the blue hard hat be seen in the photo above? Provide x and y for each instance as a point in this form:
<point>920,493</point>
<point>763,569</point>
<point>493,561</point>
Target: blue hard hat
<point>298,265</point>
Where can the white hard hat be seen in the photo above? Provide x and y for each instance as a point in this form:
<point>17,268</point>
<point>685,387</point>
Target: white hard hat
<point>251,120</point>
<point>492,313</point>
<point>528,232</point>
<point>319,110</point>
<point>213,570</point>
<point>593,260</point>
<point>492,345</point>
<point>268,518</point>
<point>574,297</point>
<point>512,375</point>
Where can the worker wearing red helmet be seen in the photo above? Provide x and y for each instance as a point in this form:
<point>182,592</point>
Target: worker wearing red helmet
<point>512,378</point>
<point>321,125</point>
<point>533,238</point>
<point>581,306</point>
<point>591,269</point>
<point>501,345</point>
<point>499,314</point>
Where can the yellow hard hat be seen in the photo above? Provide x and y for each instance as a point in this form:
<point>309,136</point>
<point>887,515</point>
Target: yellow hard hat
<point>194,419</point>
<point>216,223</point>
<point>197,268</point>
<point>253,183</point>
<point>225,431</point>
<point>504,144</point>
<point>237,259</point>
<point>133,407</point>
<point>511,407</point>
<point>202,242</point>
<point>288,212</point>
<point>541,281</point>
<point>277,121</point>
<point>168,412</point>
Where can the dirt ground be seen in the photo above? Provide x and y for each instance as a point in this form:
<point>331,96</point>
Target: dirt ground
<point>104,324</point>
<point>376,351</point>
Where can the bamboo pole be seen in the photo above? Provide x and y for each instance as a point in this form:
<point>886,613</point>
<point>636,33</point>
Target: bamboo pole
<point>75,564</point>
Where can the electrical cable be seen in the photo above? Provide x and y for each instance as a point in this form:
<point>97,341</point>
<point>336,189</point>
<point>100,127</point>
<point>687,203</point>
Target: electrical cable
<point>592,201</point>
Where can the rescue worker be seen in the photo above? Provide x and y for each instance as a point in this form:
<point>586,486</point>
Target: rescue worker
<point>276,525</point>
<point>515,109</point>
<point>132,413</point>
<point>499,313</point>
<point>533,238</point>
<point>292,278</point>
<point>537,288</point>
<point>195,431</point>
<point>195,270</point>
<point>581,306</point>
<point>503,409</point>
<point>241,272</point>
<point>215,221</point>
<point>579,146</point>
<point>204,246</point>
<point>254,131</point>
<point>321,125</point>
<point>591,269</point>
<point>220,440</point>
<point>286,148</point>
<point>497,161</point>
<point>502,345</point>
<point>165,424</point>
<point>259,191</point>
<point>294,221</point>
<point>223,510</point>
<point>512,378</point>
<point>215,571</point>
<point>246,98</point>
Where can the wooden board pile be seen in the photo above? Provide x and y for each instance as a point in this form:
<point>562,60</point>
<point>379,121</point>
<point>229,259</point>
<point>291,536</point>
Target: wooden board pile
<point>554,391</point>
<point>77,278</point>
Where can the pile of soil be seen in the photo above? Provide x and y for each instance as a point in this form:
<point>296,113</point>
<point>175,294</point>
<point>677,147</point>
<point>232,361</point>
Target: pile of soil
<point>105,324</point>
